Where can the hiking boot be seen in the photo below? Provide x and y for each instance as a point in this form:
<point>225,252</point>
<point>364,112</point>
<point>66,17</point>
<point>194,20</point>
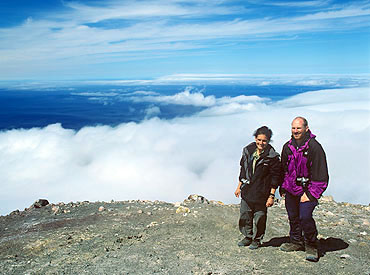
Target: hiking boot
<point>312,254</point>
<point>289,247</point>
<point>255,245</point>
<point>245,242</point>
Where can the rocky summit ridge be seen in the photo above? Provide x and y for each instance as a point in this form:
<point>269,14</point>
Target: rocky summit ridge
<point>196,236</point>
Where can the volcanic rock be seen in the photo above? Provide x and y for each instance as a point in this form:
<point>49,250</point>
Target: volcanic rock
<point>75,238</point>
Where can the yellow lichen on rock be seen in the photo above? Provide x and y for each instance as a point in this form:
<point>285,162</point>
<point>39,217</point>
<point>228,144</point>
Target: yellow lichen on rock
<point>182,210</point>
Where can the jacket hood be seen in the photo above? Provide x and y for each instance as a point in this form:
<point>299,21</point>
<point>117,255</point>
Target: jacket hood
<point>308,136</point>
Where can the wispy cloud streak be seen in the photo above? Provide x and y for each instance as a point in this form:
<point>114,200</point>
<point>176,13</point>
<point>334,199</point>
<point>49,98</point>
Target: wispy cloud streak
<point>118,31</point>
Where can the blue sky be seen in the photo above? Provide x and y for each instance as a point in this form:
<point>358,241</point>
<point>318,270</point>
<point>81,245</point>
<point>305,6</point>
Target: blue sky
<point>59,40</point>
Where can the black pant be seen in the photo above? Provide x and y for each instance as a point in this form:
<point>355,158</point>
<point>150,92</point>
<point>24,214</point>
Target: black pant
<point>301,220</point>
<point>249,212</point>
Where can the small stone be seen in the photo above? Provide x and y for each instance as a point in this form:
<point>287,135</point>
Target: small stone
<point>101,208</point>
<point>182,210</point>
<point>326,199</point>
<point>15,212</point>
<point>177,204</point>
<point>217,202</point>
<point>352,241</point>
<point>363,233</point>
<point>140,211</point>
<point>40,203</point>
<point>152,224</point>
<point>55,209</point>
<point>343,221</point>
<point>345,256</point>
<point>197,198</point>
<point>66,211</point>
<point>149,213</point>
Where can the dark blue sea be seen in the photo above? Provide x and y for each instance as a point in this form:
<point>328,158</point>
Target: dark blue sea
<point>91,105</point>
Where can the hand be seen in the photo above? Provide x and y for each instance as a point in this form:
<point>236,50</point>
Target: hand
<point>270,202</point>
<point>304,198</point>
<point>237,192</point>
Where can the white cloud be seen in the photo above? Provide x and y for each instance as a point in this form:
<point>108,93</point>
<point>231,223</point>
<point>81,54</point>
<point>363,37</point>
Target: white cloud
<point>152,111</point>
<point>182,98</point>
<point>324,97</point>
<point>332,80</point>
<point>351,11</point>
<point>314,4</point>
<point>96,94</point>
<point>196,98</point>
<point>169,159</point>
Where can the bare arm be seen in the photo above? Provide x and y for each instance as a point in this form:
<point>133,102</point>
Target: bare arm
<point>237,191</point>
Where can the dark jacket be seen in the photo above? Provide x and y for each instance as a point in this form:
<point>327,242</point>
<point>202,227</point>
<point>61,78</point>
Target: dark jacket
<point>256,186</point>
<point>307,160</point>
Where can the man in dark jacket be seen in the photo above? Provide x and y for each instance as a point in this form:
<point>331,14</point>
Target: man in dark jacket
<point>305,179</point>
<point>258,179</point>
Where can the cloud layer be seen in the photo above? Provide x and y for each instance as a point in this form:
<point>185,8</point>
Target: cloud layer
<point>169,159</point>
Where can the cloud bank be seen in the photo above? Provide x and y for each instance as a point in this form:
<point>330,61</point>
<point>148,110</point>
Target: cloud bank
<point>169,159</point>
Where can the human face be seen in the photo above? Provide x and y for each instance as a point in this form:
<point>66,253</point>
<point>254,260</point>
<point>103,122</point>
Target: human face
<point>261,141</point>
<point>298,129</point>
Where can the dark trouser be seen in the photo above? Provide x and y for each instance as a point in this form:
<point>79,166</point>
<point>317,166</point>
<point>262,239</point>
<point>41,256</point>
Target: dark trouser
<point>248,213</point>
<point>300,219</point>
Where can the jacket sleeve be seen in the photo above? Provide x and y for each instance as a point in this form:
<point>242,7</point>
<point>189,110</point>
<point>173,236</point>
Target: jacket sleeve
<point>275,171</point>
<point>284,161</point>
<point>284,158</point>
<point>242,174</point>
<point>319,171</point>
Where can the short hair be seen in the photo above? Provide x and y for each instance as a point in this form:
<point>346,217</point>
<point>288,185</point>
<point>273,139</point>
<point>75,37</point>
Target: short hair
<point>305,122</point>
<point>264,130</point>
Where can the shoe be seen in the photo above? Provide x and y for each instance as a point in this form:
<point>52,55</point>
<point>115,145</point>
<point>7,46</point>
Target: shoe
<point>289,247</point>
<point>312,254</point>
<point>245,242</point>
<point>255,245</point>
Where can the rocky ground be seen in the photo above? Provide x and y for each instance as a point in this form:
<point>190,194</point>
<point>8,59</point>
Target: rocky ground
<point>194,237</point>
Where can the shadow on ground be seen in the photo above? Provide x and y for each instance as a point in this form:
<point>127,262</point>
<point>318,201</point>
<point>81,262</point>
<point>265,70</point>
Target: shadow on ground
<point>276,242</point>
<point>332,244</point>
<point>326,245</point>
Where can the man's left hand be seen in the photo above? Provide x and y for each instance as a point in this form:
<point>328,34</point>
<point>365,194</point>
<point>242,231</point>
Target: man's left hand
<point>304,198</point>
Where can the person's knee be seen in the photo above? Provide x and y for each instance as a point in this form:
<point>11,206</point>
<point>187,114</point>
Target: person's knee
<point>305,217</point>
<point>260,215</point>
<point>242,222</point>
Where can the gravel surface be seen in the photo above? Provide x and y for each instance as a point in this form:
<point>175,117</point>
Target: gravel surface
<point>195,236</point>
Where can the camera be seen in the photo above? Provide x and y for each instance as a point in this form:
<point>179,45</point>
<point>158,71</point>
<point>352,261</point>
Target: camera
<point>302,181</point>
<point>245,181</point>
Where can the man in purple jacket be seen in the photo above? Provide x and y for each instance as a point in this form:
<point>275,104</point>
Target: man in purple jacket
<point>305,179</point>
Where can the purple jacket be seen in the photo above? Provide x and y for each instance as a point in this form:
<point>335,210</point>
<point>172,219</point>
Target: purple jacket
<point>308,161</point>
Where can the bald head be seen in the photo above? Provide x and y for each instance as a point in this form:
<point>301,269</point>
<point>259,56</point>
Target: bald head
<point>299,128</point>
<point>302,119</point>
